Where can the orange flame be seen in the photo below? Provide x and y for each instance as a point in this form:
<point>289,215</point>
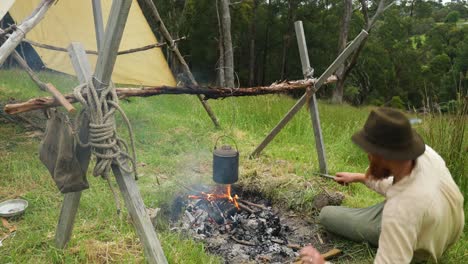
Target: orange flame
<point>224,194</point>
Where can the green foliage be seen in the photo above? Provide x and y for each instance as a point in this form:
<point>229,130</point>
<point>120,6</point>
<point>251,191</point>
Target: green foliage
<point>396,102</point>
<point>447,135</point>
<point>452,17</point>
<point>401,57</point>
<point>439,65</point>
<point>351,93</point>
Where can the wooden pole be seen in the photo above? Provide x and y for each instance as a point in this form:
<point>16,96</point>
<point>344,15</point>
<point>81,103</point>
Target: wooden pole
<point>154,12</point>
<point>328,72</point>
<point>71,200</point>
<point>209,93</point>
<point>15,38</point>
<point>313,106</point>
<point>127,185</point>
<point>67,218</point>
<point>98,24</point>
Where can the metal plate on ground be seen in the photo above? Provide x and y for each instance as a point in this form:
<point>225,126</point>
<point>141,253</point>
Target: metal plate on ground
<point>13,207</point>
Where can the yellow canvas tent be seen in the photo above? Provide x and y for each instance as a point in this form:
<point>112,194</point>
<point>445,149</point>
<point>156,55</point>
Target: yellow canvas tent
<point>72,21</point>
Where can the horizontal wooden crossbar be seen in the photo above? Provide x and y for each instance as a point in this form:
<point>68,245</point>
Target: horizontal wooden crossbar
<point>209,93</point>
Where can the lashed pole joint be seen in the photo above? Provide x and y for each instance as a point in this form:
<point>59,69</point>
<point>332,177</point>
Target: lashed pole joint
<point>127,185</point>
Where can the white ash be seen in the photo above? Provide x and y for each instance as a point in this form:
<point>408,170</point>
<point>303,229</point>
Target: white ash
<point>262,237</point>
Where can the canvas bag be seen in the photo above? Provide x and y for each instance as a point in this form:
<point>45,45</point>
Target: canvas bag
<point>59,151</point>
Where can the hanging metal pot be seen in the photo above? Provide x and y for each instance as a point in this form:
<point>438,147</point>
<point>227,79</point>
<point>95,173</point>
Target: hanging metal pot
<point>225,163</point>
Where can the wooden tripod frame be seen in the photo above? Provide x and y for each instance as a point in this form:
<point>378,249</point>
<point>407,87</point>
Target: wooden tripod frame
<point>313,109</point>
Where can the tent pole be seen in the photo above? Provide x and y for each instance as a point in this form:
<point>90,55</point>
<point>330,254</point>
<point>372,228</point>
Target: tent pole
<point>98,23</point>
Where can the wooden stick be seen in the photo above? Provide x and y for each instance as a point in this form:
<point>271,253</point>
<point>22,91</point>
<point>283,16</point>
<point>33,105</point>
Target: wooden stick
<point>93,52</point>
<point>60,98</point>
<point>246,208</point>
<point>15,38</point>
<point>294,246</point>
<point>210,93</point>
<point>243,242</point>
<point>331,253</point>
<point>253,204</point>
<point>277,241</point>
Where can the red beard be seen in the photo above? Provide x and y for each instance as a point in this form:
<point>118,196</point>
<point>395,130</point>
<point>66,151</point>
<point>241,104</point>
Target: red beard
<point>377,170</point>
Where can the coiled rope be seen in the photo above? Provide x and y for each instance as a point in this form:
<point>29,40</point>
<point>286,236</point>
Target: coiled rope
<point>105,144</point>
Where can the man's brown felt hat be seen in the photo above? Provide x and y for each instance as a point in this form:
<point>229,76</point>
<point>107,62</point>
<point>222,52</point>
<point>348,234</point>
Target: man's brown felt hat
<point>388,133</point>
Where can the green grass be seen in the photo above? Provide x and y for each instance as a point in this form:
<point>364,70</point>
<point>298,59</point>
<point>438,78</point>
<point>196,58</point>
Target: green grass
<point>174,140</point>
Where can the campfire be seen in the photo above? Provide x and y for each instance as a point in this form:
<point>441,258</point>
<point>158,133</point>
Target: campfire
<point>241,227</point>
<point>219,193</point>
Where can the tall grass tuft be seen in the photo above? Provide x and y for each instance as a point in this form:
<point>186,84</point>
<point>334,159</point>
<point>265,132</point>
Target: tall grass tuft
<point>446,134</point>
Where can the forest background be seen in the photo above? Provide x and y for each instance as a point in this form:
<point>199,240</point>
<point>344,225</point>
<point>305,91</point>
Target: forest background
<point>416,54</point>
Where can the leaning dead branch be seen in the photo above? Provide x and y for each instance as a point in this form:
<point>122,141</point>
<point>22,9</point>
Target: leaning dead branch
<point>209,93</point>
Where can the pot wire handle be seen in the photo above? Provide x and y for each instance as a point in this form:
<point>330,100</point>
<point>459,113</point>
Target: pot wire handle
<point>224,136</point>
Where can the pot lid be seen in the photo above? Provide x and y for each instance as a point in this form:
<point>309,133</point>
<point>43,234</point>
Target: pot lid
<point>225,151</point>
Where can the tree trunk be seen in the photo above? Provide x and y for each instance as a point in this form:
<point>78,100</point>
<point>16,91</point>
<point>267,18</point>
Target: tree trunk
<point>343,39</point>
<point>287,40</point>
<point>227,43</point>
<point>267,41</point>
<point>253,29</point>
<point>221,66</point>
<point>292,6</point>
<point>221,74</point>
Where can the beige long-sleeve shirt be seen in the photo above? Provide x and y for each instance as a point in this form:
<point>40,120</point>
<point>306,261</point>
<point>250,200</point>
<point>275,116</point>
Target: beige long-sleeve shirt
<point>423,213</point>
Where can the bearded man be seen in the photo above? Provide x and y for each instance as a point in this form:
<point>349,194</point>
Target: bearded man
<point>422,215</point>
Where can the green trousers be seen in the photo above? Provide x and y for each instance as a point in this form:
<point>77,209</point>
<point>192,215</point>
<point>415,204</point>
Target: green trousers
<point>357,224</point>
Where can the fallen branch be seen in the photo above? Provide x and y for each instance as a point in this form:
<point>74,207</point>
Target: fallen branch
<point>209,93</point>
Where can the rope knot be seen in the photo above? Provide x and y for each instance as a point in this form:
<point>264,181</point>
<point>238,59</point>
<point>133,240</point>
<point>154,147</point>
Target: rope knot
<point>108,148</point>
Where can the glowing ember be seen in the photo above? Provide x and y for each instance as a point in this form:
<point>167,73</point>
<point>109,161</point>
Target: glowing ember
<point>220,193</point>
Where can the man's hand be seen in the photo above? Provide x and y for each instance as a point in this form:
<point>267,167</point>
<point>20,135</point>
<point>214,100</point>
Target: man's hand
<point>309,255</point>
<point>345,178</point>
